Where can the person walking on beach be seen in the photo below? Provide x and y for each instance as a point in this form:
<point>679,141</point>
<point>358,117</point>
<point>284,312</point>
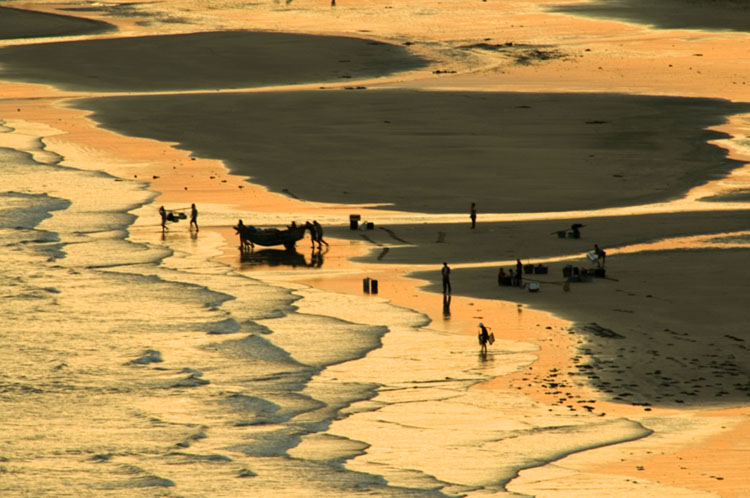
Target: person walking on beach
<point>163,214</point>
<point>484,337</point>
<point>601,255</point>
<point>446,271</point>
<point>193,217</point>
<point>473,215</point>
<point>519,272</point>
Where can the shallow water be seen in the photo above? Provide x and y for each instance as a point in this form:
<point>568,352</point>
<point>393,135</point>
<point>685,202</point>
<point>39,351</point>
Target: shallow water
<point>133,363</point>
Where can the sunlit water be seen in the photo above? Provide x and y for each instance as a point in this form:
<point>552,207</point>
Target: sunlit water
<point>133,364</point>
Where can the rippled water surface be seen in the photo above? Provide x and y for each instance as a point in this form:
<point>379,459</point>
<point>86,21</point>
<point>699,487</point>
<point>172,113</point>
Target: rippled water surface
<point>133,362</point>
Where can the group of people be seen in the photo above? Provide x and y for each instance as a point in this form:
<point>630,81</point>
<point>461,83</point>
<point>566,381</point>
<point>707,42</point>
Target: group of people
<point>316,233</point>
<point>175,216</point>
<point>514,278</point>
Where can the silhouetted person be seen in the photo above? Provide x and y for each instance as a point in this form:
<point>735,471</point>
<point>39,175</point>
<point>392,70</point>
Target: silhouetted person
<point>446,271</point>
<point>317,234</point>
<point>193,217</point>
<point>163,214</point>
<point>601,255</point>
<point>484,337</point>
<point>576,230</point>
<point>241,231</point>
<point>500,276</point>
<point>473,215</point>
<point>519,271</point>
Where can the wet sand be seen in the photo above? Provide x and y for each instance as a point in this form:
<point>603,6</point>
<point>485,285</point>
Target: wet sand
<point>671,14</point>
<point>203,61</point>
<point>509,152</point>
<point>689,347</point>
<point>651,337</point>
<point>18,23</point>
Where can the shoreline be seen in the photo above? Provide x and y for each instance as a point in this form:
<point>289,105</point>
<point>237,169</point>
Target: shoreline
<point>550,359</point>
<point>178,192</point>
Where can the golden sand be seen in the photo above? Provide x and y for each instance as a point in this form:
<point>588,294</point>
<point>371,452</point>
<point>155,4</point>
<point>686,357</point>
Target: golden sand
<point>589,56</point>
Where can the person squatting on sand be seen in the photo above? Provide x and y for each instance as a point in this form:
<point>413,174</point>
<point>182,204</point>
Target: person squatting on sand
<point>446,271</point>
<point>601,255</point>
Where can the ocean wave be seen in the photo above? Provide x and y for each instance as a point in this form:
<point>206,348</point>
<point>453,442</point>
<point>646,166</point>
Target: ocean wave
<point>19,210</point>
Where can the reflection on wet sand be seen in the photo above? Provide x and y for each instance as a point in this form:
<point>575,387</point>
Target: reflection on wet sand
<point>281,257</point>
<point>446,306</point>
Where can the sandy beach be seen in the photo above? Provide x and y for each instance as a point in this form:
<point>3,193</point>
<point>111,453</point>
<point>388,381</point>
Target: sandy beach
<point>628,121</point>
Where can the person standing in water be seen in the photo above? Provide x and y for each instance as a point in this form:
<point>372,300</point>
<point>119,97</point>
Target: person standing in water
<point>484,337</point>
<point>163,214</point>
<point>193,217</point>
<point>473,215</point>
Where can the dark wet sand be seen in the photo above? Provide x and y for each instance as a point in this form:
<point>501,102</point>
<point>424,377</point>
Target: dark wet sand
<point>439,151</point>
<point>17,23</point>
<point>663,328</point>
<point>532,241</point>
<point>203,61</point>
<point>670,14</point>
